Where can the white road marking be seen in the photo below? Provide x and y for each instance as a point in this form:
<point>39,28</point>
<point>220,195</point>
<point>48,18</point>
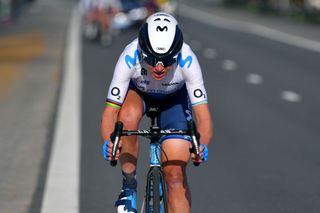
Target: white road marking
<point>229,65</point>
<point>61,192</point>
<point>255,29</point>
<point>255,79</point>
<point>291,96</point>
<point>209,53</point>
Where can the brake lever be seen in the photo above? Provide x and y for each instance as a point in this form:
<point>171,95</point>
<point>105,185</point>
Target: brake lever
<point>195,136</point>
<point>115,139</point>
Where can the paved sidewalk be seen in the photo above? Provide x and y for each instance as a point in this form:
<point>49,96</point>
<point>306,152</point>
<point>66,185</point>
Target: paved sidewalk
<point>31,56</point>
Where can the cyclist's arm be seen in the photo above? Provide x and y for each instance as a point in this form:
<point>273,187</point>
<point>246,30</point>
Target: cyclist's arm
<point>109,117</point>
<point>191,71</point>
<point>204,123</point>
<point>118,89</point>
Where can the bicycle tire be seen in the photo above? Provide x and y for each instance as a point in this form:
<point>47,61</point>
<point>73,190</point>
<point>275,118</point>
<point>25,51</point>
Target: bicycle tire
<point>106,39</point>
<point>148,191</point>
<point>153,191</point>
<point>163,184</point>
<point>156,192</point>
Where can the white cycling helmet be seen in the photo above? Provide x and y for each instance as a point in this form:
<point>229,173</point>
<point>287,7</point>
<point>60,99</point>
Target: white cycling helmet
<point>160,39</point>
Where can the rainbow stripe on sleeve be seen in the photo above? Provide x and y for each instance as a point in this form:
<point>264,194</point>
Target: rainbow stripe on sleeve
<point>201,102</point>
<point>113,103</point>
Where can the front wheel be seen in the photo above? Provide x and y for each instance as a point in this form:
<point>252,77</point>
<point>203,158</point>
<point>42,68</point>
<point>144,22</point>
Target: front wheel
<point>106,38</point>
<point>156,192</point>
<point>90,30</point>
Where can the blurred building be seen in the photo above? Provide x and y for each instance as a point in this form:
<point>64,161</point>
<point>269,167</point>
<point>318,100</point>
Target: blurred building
<point>312,5</point>
<point>5,10</point>
<point>11,9</point>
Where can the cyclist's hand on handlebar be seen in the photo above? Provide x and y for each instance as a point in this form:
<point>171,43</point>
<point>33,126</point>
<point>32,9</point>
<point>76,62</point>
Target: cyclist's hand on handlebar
<point>107,150</point>
<point>204,153</point>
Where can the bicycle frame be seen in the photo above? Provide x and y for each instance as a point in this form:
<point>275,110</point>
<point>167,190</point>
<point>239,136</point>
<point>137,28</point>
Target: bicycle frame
<point>156,188</point>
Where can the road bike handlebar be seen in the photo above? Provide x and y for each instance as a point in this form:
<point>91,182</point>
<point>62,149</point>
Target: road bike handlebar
<point>155,132</point>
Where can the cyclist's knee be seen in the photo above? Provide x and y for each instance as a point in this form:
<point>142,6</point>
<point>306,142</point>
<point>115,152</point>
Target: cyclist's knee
<point>130,117</point>
<point>175,178</point>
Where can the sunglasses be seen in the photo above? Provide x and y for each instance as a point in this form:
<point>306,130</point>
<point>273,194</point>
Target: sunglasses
<point>153,61</point>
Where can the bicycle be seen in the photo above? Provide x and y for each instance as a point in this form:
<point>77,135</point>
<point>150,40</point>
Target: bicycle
<point>156,188</point>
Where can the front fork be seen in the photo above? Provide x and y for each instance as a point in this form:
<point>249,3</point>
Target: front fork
<point>156,178</point>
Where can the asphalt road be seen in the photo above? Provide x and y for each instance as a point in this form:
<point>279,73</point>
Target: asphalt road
<point>265,104</point>
<point>263,94</point>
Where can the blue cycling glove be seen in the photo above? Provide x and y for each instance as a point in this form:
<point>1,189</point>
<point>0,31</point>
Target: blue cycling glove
<point>105,149</point>
<point>205,152</point>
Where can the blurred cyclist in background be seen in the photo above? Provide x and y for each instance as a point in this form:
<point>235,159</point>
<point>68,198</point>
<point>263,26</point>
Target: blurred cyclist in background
<point>98,15</point>
<point>161,5</point>
<point>151,6</point>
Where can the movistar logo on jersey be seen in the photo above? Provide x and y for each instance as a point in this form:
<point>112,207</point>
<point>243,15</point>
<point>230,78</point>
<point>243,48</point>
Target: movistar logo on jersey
<point>183,62</point>
<point>132,61</point>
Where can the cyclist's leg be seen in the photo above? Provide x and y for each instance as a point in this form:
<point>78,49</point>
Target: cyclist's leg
<point>105,13</point>
<point>103,19</point>
<point>130,114</point>
<point>175,160</point>
<point>92,15</point>
<point>176,151</point>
